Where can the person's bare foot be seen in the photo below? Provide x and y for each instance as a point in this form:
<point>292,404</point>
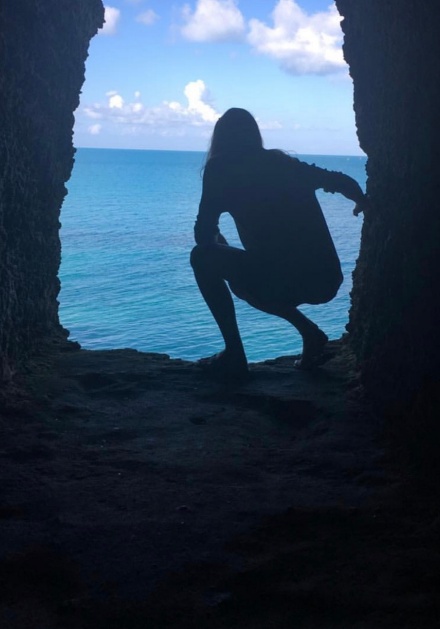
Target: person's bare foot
<point>313,350</point>
<point>225,365</point>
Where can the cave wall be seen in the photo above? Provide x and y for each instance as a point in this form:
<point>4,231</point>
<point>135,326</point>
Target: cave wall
<point>43,47</point>
<point>393,50</point>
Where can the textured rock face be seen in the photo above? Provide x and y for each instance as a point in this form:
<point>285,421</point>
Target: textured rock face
<point>43,46</point>
<point>394,58</point>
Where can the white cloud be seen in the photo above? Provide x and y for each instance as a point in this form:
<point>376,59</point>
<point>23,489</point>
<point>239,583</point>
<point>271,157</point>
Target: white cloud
<point>171,117</point>
<point>301,43</point>
<point>115,100</point>
<point>95,129</point>
<point>213,21</point>
<point>269,125</point>
<point>93,112</point>
<point>111,17</point>
<point>137,107</point>
<point>197,94</point>
<point>148,17</point>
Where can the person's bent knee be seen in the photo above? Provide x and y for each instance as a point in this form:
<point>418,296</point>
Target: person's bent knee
<point>199,256</point>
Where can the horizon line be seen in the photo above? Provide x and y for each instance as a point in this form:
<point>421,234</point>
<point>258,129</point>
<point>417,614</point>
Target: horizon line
<point>113,148</point>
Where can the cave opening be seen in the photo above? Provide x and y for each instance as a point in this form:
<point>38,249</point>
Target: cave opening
<point>128,216</point>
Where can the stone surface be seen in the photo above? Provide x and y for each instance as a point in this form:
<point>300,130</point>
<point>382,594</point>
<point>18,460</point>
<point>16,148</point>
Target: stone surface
<point>43,47</point>
<point>394,59</point>
<point>136,493</point>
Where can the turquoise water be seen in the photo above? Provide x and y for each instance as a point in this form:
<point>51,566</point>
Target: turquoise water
<point>127,231</point>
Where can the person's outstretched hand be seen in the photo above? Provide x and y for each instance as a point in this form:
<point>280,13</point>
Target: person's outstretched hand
<point>361,206</point>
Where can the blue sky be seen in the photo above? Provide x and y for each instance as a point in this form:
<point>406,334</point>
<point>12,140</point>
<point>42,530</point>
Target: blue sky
<point>161,72</point>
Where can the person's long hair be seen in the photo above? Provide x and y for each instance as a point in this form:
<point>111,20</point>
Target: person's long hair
<point>235,132</point>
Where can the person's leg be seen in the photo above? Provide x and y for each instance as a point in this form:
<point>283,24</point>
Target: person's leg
<point>212,265</point>
<point>314,339</point>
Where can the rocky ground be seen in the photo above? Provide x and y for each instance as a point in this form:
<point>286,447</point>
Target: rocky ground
<point>137,494</point>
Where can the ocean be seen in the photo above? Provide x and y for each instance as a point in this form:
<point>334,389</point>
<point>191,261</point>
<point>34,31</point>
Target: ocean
<point>127,232</point>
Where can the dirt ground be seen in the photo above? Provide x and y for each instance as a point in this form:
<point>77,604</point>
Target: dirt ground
<point>137,494</point>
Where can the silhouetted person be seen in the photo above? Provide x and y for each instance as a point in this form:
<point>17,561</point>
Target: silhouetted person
<point>288,257</point>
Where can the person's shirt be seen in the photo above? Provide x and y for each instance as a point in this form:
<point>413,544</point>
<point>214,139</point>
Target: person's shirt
<point>272,200</point>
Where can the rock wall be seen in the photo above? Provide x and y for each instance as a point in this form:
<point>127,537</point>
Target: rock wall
<point>43,47</point>
<point>393,51</point>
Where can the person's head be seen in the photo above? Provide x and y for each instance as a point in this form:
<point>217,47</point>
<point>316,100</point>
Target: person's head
<point>235,132</point>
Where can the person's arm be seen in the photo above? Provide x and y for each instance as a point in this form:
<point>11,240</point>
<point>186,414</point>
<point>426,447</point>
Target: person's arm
<point>333,181</point>
<point>221,240</point>
<point>349,187</point>
<point>206,230</point>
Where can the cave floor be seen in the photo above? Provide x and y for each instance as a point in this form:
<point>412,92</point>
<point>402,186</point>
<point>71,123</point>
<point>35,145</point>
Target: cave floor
<point>135,493</point>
